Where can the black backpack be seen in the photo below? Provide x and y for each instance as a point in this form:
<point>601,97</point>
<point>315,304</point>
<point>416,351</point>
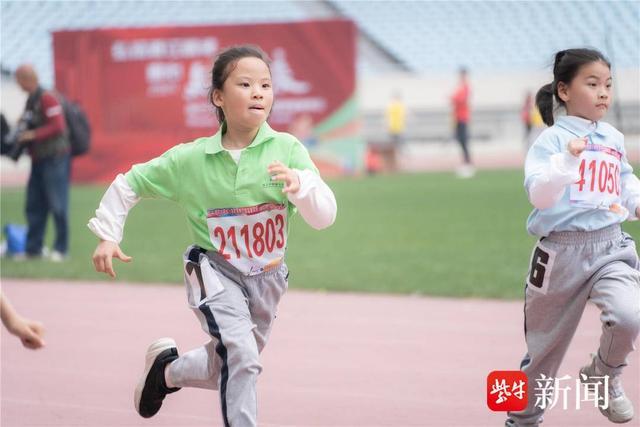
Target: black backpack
<point>77,125</point>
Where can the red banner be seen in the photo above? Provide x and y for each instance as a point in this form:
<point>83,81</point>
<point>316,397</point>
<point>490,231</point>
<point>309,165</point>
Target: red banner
<point>145,90</point>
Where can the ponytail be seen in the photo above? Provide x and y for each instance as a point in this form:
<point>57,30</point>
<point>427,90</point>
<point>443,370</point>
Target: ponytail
<point>544,102</point>
<point>558,58</point>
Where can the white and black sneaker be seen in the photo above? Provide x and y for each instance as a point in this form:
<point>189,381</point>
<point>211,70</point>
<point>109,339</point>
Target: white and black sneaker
<point>152,387</point>
<point>620,408</point>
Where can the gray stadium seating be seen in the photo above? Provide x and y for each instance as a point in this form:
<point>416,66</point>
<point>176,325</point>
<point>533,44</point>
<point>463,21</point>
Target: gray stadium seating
<point>436,36</point>
<point>27,25</point>
<point>424,36</point>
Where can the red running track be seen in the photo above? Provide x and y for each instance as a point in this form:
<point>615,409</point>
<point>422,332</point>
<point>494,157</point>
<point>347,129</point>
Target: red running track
<point>333,359</point>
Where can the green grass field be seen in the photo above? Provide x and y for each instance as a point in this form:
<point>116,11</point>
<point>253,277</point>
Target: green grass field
<point>429,234</point>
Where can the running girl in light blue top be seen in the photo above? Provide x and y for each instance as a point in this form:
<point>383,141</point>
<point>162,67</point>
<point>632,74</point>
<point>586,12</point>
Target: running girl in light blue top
<point>582,187</point>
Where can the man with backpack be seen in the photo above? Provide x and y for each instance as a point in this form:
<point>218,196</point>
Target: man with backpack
<point>45,136</point>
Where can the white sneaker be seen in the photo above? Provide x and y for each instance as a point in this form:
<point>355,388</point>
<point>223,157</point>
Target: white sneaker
<point>620,409</point>
<point>57,257</point>
<point>466,171</point>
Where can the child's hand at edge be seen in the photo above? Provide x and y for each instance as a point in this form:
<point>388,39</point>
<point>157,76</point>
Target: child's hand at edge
<point>29,331</point>
<point>280,172</point>
<point>104,254</point>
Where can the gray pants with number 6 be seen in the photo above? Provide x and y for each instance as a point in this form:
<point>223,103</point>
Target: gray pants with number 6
<point>567,270</point>
<point>237,311</point>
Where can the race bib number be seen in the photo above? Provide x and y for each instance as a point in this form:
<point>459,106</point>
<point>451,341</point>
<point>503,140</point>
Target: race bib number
<point>252,238</point>
<point>599,183</point>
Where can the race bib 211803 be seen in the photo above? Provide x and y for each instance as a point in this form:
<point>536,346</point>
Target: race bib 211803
<point>252,238</point>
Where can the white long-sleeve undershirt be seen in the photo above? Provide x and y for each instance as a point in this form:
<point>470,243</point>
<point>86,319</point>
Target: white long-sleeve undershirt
<point>631,201</point>
<point>315,202</point>
<point>108,224</point>
<point>548,188</point>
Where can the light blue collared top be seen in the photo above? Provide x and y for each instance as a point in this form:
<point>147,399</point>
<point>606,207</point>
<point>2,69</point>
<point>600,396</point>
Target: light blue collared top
<point>562,216</point>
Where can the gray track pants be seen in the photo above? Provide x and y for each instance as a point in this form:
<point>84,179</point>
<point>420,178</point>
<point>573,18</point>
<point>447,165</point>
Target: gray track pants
<point>567,269</point>
<point>237,311</point>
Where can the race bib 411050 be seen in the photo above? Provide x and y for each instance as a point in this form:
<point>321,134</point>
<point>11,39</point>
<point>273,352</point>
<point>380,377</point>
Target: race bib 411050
<point>599,183</point>
<point>252,238</point>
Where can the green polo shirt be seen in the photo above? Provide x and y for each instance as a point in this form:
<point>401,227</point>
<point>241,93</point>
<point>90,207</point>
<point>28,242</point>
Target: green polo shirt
<point>201,176</point>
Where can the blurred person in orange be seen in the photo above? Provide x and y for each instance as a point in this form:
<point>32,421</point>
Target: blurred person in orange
<point>461,115</point>
<point>29,331</point>
<point>531,120</point>
<point>373,160</point>
<point>525,114</point>
<point>302,128</point>
<point>537,125</point>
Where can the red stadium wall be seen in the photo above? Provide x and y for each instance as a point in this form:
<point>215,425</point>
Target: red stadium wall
<point>145,89</point>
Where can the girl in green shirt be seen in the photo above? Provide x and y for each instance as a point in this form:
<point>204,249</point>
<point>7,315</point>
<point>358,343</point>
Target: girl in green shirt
<point>238,189</point>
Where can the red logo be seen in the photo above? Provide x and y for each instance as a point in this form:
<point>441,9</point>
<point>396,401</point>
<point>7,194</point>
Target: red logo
<point>507,391</point>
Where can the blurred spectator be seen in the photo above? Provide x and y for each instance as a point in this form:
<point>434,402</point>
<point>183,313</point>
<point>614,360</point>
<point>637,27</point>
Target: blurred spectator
<point>48,145</point>
<point>531,119</point>
<point>4,129</point>
<point>537,125</point>
<point>29,331</point>
<point>373,160</point>
<point>302,128</point>
<point>525,115</point>
<point>396,118</point>
<point>461,114</point>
